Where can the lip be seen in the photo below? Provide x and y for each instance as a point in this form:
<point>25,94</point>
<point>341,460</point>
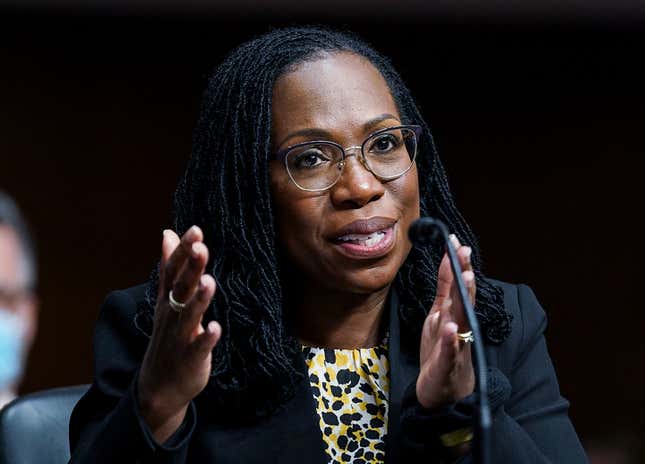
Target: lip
<point>357,251</point>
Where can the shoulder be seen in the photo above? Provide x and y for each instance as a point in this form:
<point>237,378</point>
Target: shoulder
<point>127,296</point>
<point>528,324</point>
<point>118,323</point>
<point>119,304</point>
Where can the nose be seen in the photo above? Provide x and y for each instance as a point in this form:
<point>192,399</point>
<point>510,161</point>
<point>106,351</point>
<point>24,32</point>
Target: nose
<point>357,186</point>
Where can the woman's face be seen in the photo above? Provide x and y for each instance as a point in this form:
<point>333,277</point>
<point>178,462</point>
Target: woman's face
<point>341,98</point>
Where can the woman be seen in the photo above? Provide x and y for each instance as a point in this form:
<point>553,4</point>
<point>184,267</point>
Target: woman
<point>327,337</point>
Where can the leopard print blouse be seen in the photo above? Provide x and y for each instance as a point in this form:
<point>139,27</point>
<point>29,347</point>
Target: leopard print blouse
<point>351,391</point>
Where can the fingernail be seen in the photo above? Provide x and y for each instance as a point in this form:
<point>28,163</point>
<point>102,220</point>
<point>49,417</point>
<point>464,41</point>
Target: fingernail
<point>194,250</point>
<point>468,252</point>
<point>469,276</point>
<point>211,327</point>
<point>202,283</point>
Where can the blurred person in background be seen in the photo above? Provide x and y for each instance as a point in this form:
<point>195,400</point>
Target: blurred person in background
<point>18,302</point>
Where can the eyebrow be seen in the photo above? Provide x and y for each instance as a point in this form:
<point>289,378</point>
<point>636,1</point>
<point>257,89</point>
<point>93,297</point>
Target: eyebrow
<point>322,133</point>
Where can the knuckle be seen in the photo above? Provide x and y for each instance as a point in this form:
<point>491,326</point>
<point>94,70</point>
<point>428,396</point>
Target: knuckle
<point>180,290</point>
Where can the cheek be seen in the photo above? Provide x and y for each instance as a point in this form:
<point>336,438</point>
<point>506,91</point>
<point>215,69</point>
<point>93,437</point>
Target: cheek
<point>405,194</point>
<point>297,215</point>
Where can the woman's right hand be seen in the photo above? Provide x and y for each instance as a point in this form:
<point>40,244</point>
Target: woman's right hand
<point>177,363</point>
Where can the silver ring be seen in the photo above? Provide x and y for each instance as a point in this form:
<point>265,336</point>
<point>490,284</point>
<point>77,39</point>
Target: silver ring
<point>174,304</point>
<point>466,337</point>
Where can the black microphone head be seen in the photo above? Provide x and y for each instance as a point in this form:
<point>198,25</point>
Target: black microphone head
<point>423,231</point>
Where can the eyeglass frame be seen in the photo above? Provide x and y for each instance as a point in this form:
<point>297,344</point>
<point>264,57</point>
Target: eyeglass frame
<point>281,155</point>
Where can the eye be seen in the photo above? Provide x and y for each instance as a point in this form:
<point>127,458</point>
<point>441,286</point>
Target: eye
<point>385,143</point>
<point>310,158</point>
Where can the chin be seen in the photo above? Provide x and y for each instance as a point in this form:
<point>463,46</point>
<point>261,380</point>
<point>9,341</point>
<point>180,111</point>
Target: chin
<point>366,280</point>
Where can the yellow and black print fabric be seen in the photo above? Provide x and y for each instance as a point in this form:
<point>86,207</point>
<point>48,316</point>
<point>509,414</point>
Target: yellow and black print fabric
<point>351,391</point>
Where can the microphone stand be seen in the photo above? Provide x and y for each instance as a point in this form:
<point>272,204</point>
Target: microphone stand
<point>421,232</point>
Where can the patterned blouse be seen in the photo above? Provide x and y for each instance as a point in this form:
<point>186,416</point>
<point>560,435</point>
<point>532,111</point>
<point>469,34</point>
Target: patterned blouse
<point>351,389</point>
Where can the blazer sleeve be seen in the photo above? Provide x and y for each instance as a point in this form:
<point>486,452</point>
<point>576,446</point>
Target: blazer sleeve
<point>106,426</point>
<point>533,426</point>
<point>530,420</point>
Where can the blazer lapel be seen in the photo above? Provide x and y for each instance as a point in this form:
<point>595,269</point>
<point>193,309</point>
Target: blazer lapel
<point>291,435</point>
<point>404,369</point>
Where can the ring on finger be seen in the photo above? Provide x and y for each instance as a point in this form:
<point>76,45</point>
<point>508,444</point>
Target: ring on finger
<point>466,337</point>
<point>174,304</point>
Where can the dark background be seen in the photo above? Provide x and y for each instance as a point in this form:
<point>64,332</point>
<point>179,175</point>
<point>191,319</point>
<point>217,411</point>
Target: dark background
<point>538,114</point>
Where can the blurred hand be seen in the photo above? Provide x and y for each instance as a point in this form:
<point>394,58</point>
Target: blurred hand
<point>177,363</point>
<point>446,372</point>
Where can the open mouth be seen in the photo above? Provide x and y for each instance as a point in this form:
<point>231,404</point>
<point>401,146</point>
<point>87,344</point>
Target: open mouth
<point>372,245</point>
<point>367,240</point>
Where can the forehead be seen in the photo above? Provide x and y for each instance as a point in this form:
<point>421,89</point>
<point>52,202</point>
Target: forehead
<point>336,91</point>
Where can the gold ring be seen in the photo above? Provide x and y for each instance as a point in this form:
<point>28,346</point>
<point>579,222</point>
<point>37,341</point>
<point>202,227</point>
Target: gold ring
<point>174,304</point>
<point>466,337</point>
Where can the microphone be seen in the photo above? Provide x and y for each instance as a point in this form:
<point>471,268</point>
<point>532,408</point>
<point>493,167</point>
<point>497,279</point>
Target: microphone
<point>422,232</point>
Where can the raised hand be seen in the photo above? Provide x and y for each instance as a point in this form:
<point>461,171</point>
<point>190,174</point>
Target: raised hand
<point>177,363</point>
<point>446,372</point>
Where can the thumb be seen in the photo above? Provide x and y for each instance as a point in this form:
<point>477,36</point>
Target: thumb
<point>449,348</point>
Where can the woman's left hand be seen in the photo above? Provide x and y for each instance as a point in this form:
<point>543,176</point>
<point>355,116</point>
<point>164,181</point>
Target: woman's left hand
<point>446,374</point>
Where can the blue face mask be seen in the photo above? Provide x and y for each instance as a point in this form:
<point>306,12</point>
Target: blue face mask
<point>11,345</point>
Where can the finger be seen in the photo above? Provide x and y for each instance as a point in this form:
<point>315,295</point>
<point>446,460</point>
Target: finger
<point>203,345</point>
<point>186,283</point>
<point>471,285</point>
<point>439,319</point>
<point>178,257</point>
<point>430,332</point>
<point>190,318</point>
<point>427,335</point>
<point>449,337</point>
<point>169,242</point>
<point>449,349</point>
<point>464,254</point>
<point>445,312</point>
<point>444,279</point>
<point>458,312</point>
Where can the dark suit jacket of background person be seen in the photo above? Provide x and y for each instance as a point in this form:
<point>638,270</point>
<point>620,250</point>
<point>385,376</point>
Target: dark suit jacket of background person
<point>530,422</point>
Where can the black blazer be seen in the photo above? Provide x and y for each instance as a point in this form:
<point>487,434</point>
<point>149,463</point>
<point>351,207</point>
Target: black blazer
<point>530,422</point>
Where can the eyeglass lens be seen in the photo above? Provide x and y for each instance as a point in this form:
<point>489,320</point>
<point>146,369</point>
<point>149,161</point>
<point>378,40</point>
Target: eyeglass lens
<point>316,166</point>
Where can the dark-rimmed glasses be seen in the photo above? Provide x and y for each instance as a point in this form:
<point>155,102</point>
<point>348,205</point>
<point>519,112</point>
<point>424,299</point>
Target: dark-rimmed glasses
<point>317,165</point>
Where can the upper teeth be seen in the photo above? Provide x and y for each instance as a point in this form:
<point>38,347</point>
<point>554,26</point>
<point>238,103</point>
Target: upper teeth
<point>369,239</point>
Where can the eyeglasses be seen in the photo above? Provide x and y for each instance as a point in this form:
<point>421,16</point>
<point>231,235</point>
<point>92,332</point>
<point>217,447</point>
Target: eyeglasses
<point>317,165</point>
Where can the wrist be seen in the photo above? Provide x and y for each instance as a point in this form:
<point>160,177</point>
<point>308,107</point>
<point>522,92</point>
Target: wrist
<point>421,423</point>
<point>161,412</point>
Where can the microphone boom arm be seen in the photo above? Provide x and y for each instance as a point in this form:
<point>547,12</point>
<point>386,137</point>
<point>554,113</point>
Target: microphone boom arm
<point>483,424</point>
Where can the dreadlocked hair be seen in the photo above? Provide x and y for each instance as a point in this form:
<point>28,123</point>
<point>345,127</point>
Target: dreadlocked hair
<point>225,191</point>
